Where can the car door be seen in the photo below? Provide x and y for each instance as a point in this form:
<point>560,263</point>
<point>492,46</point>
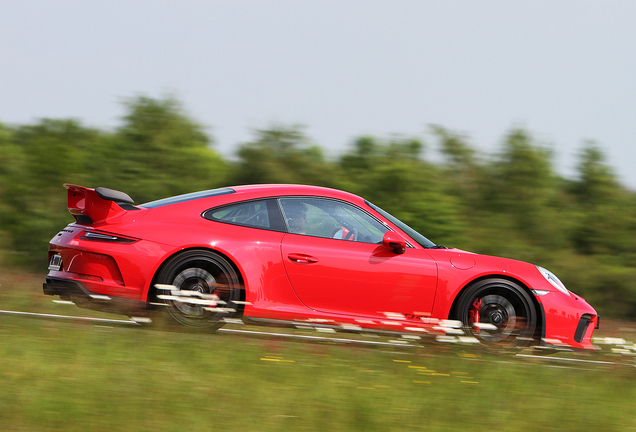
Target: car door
<point>336,263</point>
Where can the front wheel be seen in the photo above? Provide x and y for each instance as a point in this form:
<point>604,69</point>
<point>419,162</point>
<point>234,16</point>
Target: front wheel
<point>499,312</point>
<point>205,285</point>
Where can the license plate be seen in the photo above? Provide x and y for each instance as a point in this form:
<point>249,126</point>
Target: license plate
<point>56,262</point>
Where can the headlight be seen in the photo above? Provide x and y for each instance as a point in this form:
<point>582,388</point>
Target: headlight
<point>550,277</point>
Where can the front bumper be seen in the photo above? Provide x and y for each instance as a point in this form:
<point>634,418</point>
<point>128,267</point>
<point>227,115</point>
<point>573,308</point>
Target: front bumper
<point>569,321</point>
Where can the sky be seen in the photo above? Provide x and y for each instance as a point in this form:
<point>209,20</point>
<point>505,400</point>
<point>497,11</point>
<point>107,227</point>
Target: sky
<point>563,70</point>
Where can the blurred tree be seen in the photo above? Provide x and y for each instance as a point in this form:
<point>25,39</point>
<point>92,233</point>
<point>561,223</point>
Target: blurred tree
<point>10,161</point>
<point>607,221</point>
<point>523,180</point>
<point>469,177</point>
<point>282,155</point>
<point>510,204</point>
<point>596,182</point>
<point>41,158</point>
<point>465,172</point>
<point>523,187</point>
<point>160,152</point>
<point>393,176</point>
<point>454,147</point>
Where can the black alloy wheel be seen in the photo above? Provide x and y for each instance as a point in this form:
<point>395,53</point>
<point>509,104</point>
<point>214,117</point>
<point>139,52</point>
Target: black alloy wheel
<point>499,312</point>
<point>203,281</point>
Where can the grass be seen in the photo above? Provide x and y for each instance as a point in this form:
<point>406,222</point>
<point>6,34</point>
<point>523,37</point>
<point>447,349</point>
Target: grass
<point>68,376</point>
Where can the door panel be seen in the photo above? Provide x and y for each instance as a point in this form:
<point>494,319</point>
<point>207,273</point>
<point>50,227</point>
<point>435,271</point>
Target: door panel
<point>365,279</point>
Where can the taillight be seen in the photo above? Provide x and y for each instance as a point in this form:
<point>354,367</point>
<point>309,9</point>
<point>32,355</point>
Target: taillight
<point>107,237</point>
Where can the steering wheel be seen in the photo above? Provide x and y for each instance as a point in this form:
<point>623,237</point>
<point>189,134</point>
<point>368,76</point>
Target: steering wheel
<point>345,234</point>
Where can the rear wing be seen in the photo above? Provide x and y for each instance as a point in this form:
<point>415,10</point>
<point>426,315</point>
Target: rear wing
<point>94,206</point>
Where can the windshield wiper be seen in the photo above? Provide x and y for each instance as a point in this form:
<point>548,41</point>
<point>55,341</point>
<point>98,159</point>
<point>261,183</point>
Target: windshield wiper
<point>437,247</point>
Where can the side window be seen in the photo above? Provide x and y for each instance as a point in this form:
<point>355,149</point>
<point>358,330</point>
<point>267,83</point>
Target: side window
<point>257,214</point>
<point>320,217</point>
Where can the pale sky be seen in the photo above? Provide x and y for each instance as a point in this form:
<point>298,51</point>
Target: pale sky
<point>564,70</point>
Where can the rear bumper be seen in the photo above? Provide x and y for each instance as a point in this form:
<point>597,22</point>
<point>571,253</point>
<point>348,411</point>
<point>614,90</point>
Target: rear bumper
<point>74,291</point>
<point>66,289</point>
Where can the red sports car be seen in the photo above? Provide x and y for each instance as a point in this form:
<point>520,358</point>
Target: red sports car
<point>293,254</point>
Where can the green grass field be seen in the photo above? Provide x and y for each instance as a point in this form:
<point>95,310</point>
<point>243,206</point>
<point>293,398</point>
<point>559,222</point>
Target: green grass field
<point>68,376</point>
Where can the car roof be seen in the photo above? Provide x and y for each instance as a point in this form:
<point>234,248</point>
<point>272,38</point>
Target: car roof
<point>248,192</point>
<point>292,189</point>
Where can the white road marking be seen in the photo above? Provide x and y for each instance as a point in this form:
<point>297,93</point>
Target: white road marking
<point>306,337</point>
<point>548,358</point>
<point>68,317</point>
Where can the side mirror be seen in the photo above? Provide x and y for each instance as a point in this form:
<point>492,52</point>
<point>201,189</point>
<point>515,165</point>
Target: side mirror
<point>394,241</point>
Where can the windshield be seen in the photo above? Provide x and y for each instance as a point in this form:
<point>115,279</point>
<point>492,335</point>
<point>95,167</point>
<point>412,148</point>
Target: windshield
<point>419,238</point>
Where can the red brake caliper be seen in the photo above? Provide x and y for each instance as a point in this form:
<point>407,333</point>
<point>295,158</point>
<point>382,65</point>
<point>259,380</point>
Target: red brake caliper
<point>474,312</point>
<point>215,297</point>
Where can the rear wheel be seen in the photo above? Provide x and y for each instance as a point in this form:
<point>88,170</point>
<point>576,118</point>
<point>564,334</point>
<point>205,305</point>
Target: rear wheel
<point>499,312</point>
<point>205,286</point>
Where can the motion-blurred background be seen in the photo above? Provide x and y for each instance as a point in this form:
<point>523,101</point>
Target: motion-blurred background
<point>497,127</point>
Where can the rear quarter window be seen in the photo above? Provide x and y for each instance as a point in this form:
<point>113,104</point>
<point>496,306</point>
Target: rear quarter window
<point>263,214</point>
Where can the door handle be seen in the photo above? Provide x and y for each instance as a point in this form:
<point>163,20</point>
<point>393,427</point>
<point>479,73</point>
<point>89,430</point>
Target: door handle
<point>302,258</point>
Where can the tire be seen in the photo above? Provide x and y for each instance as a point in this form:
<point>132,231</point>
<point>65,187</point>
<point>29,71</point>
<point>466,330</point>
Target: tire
<point>503,304</point>
<point>207,273</point>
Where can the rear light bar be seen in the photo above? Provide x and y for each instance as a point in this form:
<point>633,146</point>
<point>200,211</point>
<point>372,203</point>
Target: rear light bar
<point>102,236</point>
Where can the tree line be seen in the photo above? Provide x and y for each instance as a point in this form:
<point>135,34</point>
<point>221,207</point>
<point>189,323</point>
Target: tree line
<point>511,203</point>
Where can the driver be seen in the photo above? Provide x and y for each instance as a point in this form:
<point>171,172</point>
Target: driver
<point>296,217</point>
